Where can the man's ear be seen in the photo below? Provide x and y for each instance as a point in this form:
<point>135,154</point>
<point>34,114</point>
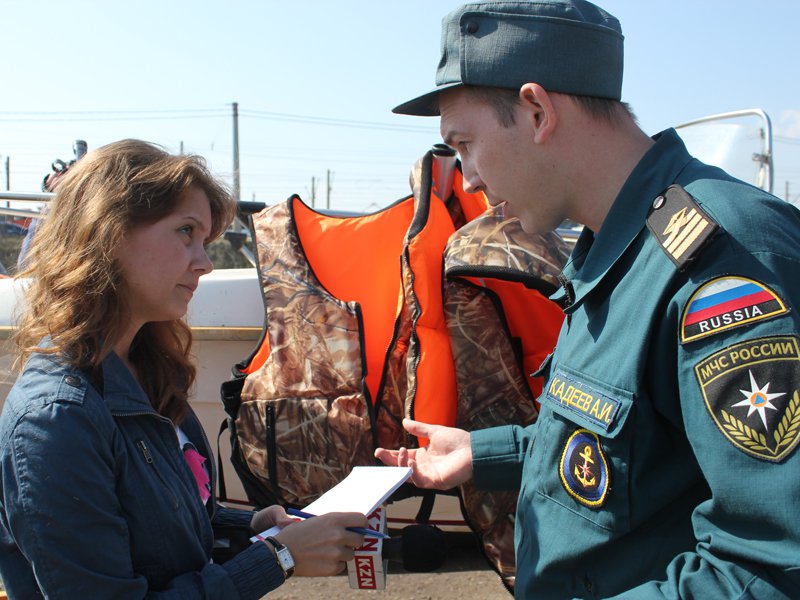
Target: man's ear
<point>537,106</point>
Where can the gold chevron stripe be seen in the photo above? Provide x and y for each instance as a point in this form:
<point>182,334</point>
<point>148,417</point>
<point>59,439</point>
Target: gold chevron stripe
<point>677,240</point>
<point>693,235</point>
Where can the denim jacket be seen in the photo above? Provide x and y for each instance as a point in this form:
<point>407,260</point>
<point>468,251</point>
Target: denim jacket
<point>97,500</point>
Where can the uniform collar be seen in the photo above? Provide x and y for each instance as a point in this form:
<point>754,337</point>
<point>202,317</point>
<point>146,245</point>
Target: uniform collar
<point>594,255</point>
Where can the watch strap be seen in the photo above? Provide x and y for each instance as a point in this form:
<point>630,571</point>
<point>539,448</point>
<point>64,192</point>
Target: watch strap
<point>282,555</point>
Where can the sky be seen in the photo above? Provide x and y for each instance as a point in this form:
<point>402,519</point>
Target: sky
<point>315,82</point>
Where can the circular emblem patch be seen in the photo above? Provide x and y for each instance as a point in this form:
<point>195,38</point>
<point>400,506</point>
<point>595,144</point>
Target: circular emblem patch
<point>584,470</point>
<point>751,391</point>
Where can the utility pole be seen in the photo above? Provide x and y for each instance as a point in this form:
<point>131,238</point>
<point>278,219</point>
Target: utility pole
<point>328,195</point>
<point>236,151</point>
<point>8,203</point>
<point>313,191</point>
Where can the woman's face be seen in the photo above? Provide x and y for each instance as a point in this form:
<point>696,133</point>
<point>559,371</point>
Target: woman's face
<point>162,262</point>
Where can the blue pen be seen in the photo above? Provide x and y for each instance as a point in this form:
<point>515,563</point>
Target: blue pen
<point>362,530</point>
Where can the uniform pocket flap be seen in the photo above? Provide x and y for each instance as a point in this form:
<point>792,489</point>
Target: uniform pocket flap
<point>598,407</point>
<point>544,369</point>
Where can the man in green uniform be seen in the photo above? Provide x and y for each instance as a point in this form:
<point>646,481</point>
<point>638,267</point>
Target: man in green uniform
<point>664,462</point>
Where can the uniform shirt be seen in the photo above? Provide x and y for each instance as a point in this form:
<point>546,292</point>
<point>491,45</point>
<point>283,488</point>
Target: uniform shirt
<point>664,459</point>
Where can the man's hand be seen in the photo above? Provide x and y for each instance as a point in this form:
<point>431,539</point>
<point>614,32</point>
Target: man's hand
<point>445,463</point>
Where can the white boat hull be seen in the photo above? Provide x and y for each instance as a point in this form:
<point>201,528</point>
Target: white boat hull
<point>226,316</point>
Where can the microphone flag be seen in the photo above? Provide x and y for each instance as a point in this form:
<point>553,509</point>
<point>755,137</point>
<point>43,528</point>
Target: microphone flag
<point>367,569</point>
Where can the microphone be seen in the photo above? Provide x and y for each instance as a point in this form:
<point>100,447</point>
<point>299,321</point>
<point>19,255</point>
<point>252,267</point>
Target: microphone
<point>421,549</point>
<point>367,569</point>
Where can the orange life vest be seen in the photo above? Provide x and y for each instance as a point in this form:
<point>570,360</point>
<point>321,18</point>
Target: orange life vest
<point>355,339</point>
<point>502,326</point>
<point>427,309</point>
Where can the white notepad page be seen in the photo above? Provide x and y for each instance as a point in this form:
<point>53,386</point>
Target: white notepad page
<point>363,490</point>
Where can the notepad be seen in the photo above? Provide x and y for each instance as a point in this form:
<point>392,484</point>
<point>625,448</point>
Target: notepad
<point>363,490</point>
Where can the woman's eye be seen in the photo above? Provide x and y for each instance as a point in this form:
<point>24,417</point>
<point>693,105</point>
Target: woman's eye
<point>187,229</point>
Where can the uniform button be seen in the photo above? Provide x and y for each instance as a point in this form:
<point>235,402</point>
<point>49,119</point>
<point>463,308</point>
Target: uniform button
<point>658,202</point>
<point>472,27</point>
<point>73,381</point>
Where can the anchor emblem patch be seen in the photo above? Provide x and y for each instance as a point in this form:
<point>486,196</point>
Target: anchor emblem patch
<point>584,469</point>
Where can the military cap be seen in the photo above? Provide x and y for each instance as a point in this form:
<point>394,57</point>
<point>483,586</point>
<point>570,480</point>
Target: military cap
<point>568,46</point>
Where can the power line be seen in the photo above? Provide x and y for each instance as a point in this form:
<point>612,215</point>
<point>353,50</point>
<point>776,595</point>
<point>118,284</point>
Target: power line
<point>275,116</point>
<point>32,113</point>
<point>786,139</point>
<point>145,115</point>
<point>110,115</point>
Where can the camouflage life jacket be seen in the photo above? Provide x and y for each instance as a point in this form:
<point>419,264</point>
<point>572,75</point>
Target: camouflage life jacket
<point>355,340</point>
<point>502,326</point>
<point>376,317</point>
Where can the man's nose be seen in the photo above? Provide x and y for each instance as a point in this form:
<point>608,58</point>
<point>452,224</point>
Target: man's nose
<point>472,183</point>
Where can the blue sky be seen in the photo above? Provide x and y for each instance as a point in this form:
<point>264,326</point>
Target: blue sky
<point>315,82</point>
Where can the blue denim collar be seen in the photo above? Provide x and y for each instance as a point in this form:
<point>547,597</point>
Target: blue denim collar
<point>122,393</point>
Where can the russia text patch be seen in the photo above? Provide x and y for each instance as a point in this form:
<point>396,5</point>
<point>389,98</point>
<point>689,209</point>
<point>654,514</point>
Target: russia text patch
<point>584,470</point>
<point>751,391</point>
<point>583,399</point>
<point>727,302</point>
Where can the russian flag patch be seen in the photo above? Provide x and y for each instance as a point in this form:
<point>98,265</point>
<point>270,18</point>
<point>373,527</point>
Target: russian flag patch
<point>727,302</point>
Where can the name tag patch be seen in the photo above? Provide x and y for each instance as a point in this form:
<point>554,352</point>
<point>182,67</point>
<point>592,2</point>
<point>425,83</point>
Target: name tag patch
<point>725,303</point>
<point>583,469</point>
<point>583,399</point>
<point>751,391</point>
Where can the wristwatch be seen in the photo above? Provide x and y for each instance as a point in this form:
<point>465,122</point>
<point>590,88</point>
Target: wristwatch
<point>283,555</point>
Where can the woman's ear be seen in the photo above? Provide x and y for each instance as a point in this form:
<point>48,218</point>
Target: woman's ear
<point>540,114</point>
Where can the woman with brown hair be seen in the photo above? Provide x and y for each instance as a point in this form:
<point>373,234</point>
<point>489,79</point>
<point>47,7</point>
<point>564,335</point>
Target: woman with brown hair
<point>106,479</point>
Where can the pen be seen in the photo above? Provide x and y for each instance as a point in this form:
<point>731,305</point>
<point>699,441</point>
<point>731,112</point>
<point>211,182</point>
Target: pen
<point>362,530</point>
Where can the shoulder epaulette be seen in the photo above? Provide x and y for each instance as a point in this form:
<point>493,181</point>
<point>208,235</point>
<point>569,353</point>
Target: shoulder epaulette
<point>679,225</point>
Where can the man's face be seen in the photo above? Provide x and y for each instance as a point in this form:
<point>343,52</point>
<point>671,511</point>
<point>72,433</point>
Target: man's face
<point>503,162</point>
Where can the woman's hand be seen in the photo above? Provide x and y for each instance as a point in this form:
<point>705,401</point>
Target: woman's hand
<point>270,517</point>
<point>322,545</point>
